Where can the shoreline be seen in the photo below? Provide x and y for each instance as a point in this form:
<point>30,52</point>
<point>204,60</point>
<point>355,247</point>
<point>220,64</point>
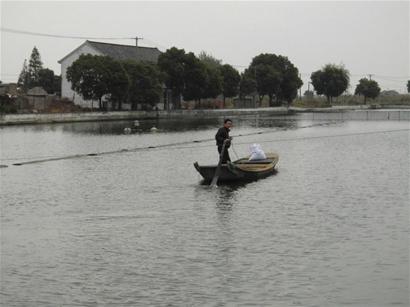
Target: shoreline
<point>332,113</point>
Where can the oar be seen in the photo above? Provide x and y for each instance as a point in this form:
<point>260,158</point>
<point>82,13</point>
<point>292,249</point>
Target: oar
<point>218,168</point>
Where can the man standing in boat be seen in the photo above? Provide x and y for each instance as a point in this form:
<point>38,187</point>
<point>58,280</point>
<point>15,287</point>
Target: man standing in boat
<point>221,136</point>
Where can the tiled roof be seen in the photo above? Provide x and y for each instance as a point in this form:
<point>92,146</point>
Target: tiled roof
<point>127,52</point>
<point>36,91</point>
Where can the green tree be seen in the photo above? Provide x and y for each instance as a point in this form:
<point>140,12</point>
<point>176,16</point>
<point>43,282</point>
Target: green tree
<point>172,64</point>
<point>195,78</point>
<point>408,86</point>
<point>367,88</point>
<point>34,67</point>
<point>331,81</point>
<point>230,81</point>
<point>119,83</point>
<point>291,81</point>
<point>46,80</point>
<point>89,77</point>
<point>23,80</point>
<point>145,84</point>
<point>247,85</point>
<point>209,60</point>
<point>268,80</point>
<point>57,85</point>
<point>276,77</point>
<point>213,86</point>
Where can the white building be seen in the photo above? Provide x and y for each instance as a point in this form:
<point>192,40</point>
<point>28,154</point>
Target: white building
<point>118,52</point>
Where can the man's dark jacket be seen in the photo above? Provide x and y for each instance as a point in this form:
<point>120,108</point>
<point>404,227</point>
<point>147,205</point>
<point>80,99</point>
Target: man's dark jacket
<point>221,135</point>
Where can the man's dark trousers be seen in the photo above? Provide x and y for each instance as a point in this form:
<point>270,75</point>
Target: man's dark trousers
<point>225,156</point>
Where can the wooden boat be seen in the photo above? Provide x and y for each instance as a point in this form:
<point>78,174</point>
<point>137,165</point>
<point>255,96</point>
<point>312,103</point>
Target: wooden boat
<point>240,170</point>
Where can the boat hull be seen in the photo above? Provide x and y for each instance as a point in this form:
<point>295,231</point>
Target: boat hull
<point>240,170</point>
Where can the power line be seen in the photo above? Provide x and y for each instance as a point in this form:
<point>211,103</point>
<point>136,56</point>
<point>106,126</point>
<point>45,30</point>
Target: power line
<point>156,44</point>
<point>391,78</point>
<point>3,29</point>
<point>396,77</point>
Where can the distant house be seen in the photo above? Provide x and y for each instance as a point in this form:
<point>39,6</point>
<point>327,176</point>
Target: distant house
<point>118,52</point>
<point>389,93</point>
<point>9,89</point>
<point>37,98</point>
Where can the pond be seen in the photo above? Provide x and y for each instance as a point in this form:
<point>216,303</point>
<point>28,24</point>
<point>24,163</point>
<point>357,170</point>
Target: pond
<point>137,227</point>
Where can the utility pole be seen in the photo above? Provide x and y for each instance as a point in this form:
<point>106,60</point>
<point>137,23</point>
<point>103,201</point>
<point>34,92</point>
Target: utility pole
<point>136,41</point>
<point>370,76</point>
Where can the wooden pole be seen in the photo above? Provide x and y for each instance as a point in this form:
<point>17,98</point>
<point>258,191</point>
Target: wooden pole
<point>218,168</point>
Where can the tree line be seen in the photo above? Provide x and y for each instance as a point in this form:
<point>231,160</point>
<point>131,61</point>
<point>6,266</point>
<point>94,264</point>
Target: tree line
<point>333,80</point>
<point>143,83</point>
<point>94,77</point>
<point>191,78</point>
<point>185,75</point>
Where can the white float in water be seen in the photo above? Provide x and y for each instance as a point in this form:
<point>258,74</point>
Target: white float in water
<point>127,130</point>
<point>154,129</point>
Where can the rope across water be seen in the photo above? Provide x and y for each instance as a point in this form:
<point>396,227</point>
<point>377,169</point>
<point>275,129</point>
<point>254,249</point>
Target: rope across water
<point>180,145</point>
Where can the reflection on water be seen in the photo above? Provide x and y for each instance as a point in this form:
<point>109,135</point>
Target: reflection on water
<point>117,127</point>
<point>227,196</point>
<point>164,125</point>
<point>224,194</point>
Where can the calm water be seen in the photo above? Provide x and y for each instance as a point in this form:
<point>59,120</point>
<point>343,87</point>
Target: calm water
<point>331,228</point>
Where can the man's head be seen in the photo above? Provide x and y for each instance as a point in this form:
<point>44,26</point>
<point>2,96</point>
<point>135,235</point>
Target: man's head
<point>228,123</point>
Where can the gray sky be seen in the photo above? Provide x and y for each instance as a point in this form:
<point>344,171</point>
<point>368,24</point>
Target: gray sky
<point>367,37</point>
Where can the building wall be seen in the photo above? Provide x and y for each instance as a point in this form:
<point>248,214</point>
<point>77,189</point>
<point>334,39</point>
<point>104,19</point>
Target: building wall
<point>37,102</point>
<point>66,90</point>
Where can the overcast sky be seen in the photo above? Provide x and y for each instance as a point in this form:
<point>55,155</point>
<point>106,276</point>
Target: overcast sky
<point>367,37</point>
